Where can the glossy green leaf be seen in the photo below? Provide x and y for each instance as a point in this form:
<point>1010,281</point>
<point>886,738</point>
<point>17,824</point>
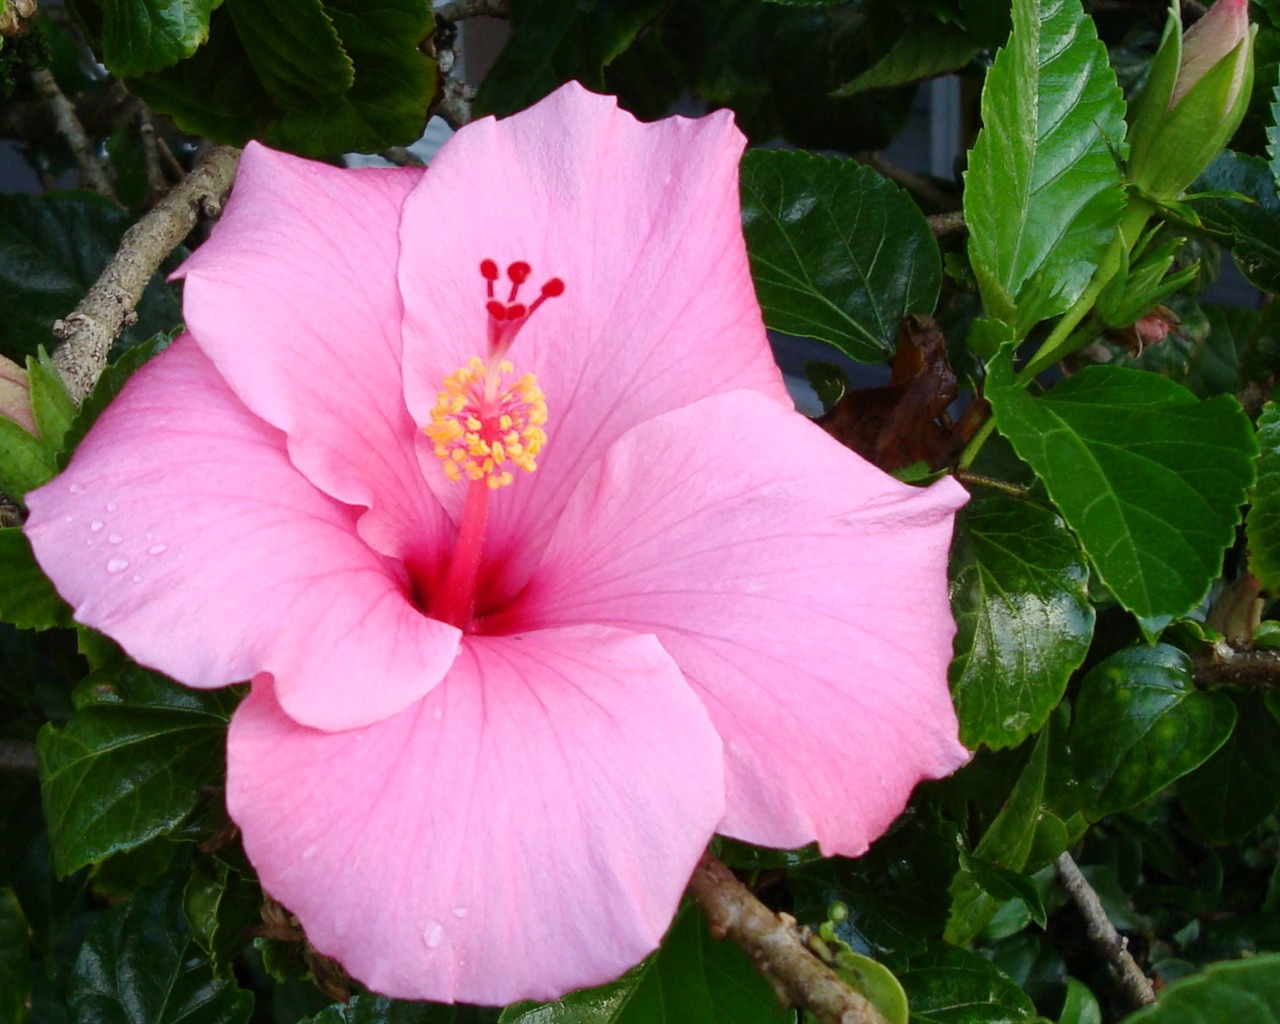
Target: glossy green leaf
<point>1243,992</point>
<point>146,35</point>
<point>141,963</point>
<point>1043,195</point>
<point>1263,524</point>
<point>268,88</point>
<point>875,981</point>
<point>895,895</point>
<point>1229,795</point>
<point>127,766</point>
<point>1140,723</point>
<point>837,252</point>
<point>1249,227</point>
<point>375,1009</point>
<point>27,598</point>
<point>692,977</point>
<point>1023,618</point>
<point>556,41</point>
<point>294,49</point>
<point>52,249</point>
<point>1214,365</point>
<point>917,55</point>
<point>1150,478</point>
<point>221,907</point>
<point>954,986</point>
<point>15,959</point>
<point>1008,885</point>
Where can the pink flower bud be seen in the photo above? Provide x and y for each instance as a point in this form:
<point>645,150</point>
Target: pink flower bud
<point>15,395</point>
<point>1208,41</point>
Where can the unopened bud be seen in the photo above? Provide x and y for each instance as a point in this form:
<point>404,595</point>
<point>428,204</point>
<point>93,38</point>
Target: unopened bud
<point>1195,96</point>
<point>15,395</point>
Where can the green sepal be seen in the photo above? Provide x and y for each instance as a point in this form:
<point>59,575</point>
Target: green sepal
<point>1152,104</point>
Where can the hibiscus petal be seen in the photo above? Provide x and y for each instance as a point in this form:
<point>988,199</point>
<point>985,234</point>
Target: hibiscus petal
<point>294,298</point>
<point>802,592</point>
<point>642,223</point>
<point>524,830</point>
<point>182,530</point>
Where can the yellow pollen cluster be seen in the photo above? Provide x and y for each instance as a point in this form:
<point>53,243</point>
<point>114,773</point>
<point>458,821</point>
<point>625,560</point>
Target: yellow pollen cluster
<point>480,423</point>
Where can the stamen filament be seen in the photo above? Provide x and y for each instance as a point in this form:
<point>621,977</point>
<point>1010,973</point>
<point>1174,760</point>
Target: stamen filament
<point>456,601</point>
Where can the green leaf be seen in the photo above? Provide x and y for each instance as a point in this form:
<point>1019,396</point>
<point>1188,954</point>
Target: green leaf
<point>127,766</point>
<point>955,986</point>
<point>1080,1006</point>
<point>556,41</point>
<point>1019,595</point>
<point>375,1009</point>
<point>691,977</point>
<point>15,959</point>
<point>837,252</point>
<point>25,463</point>
<point>1150,479</point>
<point>27,598</point>
<point>1140,723</point>
<point>1007,885</point>
<point>231,90</point>
<point>1249,227</point>
<point>294,49</point>
<point>1213,368</point>
<point>1043,196</point>
<point>50,403</point>
<point>1273,136</point>
<point>1229,795</point>
<point>875,981</point>
<point>1243,992</point>
<point>917,55</point>
<point>895,894</point>
<point>52,249</point>
<point>1263,524</point>
<point>147,35</point>
<point>221,906</point>
<point>140,963</point>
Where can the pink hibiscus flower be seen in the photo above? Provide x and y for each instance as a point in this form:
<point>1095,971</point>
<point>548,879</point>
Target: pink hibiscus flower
<point>497,710</point>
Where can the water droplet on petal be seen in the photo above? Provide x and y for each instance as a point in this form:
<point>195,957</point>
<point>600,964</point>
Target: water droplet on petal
<point>150,535</point>
<point>117,565</point>
<point>459,912</point>
<point>309,852</point>
<point>112,506</point>
<point>137,579</point>
<point>433,935</point>
<point>96,525</point>
<point>157,549</point>
<point>114,538</point>
<point>76,489</point>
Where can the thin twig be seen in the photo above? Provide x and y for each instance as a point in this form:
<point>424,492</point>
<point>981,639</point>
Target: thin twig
<point>457,10</point>
<point>401,157</point>
<point>1222,663</point>
<point>156,181</point>
<point>919,185</point>
<point>92,171</point>
<point>17,757</point>
<point>88,332</point>
<point>773,943</point>
<point>1114,946</point>
<point>942,224</point>
<point>455,106</point>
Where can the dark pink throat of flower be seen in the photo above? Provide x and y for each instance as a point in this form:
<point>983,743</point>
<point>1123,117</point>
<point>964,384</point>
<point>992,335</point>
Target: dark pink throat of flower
<point>487,421</point>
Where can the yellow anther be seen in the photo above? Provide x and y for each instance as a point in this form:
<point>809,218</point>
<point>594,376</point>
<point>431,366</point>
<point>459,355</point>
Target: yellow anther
<point>476,435</point>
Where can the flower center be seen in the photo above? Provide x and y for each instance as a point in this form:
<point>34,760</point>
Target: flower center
<point>481,423</point>
<point>485,421</point>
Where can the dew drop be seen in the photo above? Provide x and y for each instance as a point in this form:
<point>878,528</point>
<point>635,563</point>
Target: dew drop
<point>157,549</point>
<point>112,506</point>
<point>459,912</point>
<point>117,565</point>
<point>76,488</point>
<point>71,519</point>
<point>150,535</point>
<point>114,538</point>
<point>309,852</point>
<point>137,579</point>
<point>96,525</point>
<point>433,935</point>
